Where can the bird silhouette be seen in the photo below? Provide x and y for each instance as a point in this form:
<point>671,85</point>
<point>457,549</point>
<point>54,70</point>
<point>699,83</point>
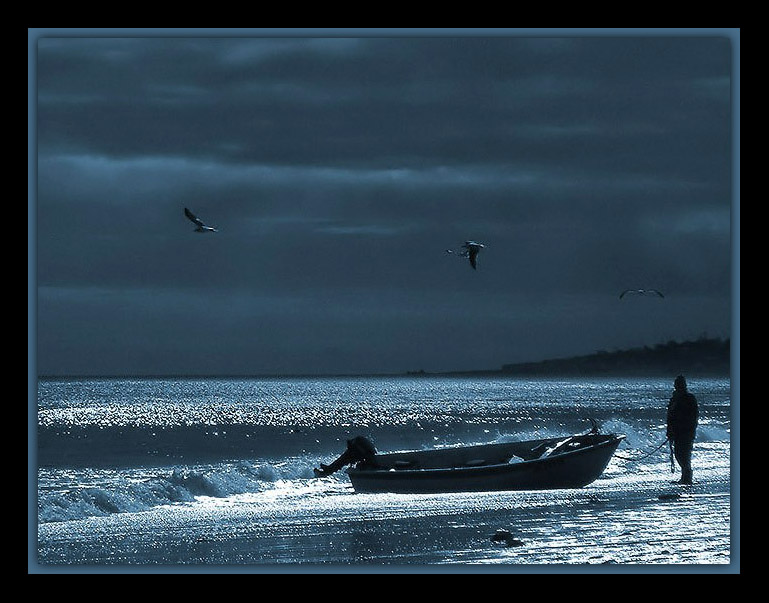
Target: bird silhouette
<point>201,227</point>
<point>641,292</point>
<point>469,250</point>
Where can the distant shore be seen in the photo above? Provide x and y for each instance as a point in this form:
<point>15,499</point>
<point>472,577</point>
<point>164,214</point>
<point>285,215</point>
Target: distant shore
<point>704,357</point>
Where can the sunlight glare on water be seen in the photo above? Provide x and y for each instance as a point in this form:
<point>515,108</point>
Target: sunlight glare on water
<point>220,471</point>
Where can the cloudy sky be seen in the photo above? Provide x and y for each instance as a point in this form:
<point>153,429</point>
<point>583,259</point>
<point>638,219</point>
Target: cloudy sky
<point>340,167</point>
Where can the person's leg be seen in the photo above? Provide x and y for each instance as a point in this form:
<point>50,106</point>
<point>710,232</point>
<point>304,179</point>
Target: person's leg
<point>683,453</point>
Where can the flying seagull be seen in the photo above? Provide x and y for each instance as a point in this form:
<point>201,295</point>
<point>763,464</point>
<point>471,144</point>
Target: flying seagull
<point>201,227</point>
<point>469,250</point>
<point>641,292</point>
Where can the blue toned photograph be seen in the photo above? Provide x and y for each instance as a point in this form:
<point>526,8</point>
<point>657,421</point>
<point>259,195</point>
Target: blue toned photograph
<point>383,301</point>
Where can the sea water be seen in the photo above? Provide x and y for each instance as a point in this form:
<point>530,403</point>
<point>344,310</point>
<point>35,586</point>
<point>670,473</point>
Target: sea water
<point>214,472</point>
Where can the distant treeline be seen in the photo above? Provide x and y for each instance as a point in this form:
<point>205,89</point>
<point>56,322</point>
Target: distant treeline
<point>700,357</point>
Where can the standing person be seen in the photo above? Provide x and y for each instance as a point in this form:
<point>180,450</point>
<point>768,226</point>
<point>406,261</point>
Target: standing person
<point>683,413</point>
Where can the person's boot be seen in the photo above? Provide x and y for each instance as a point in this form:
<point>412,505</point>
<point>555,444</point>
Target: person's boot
<point>686,477</point>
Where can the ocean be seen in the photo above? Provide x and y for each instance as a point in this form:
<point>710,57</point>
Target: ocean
<point>216,474</point>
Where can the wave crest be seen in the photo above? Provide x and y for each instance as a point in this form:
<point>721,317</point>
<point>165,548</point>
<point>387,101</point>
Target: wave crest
<point>127,493</point>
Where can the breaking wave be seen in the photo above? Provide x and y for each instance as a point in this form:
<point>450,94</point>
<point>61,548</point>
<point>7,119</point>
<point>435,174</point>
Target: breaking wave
<point>133,491</point>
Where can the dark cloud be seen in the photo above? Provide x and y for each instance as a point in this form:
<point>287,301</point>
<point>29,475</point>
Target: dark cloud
<point>339,170</point>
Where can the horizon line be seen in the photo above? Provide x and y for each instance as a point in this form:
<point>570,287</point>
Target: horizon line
<point>502,370</point>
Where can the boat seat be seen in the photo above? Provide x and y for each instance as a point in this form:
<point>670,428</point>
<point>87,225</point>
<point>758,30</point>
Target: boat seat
<point>556,448</point>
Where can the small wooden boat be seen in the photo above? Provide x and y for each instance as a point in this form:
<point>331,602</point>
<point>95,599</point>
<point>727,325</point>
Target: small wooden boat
<point>566,462</point>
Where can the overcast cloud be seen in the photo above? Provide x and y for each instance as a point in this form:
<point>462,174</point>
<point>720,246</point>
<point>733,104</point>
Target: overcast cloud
<point>339,170</point>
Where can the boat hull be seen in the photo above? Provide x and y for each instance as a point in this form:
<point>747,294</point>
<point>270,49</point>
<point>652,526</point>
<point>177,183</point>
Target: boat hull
<point>572,468</point>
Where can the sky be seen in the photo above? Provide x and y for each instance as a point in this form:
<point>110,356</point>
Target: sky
<point>340,166</point>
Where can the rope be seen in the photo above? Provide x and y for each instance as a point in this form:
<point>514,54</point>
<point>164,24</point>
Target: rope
<point>629,458</point>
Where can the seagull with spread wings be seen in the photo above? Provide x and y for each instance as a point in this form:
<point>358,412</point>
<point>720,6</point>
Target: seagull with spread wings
<point>641,292</point>
<point>201,227</point>
<point>469,250</point>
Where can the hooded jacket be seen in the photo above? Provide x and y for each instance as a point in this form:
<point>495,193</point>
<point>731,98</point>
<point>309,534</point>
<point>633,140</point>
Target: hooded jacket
<point>683,413</point>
